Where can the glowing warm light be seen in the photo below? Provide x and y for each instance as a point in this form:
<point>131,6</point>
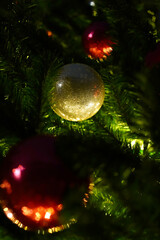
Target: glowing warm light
<point>36,214</point>
<point>91,187</point>
<point>50,230</point>
<point>49,33</point>
<point>100,52</point>
<point>50,210</point>
<point>86,195</point>
<point>59,207</point>
<point>16,222</point>
<point>107,50</point>
<point>17,172</point>
<point>92,3</point>
<point>10,215</point>
<point>85,200</point>
<point>91,104</point>
<point>95,50</point>
<point>5,209</point>
<point>47,215</point>
<point>7,185</point>
<point>20,225</point>
<point>90,35</point>
<point>27,211</point>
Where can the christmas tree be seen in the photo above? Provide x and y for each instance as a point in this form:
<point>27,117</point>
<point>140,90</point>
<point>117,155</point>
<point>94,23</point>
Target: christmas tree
<point>113,153</point>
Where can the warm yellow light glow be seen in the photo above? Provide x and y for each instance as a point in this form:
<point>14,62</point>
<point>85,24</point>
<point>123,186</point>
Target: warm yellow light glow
<point>99,52</point>
<point>50,230</point>
<point>47,211</point>
<point>16,222</point>
<point>50,210</point>
<point>86,198</point>
<point>91,104</point>
<point>5,209</point>
<point>47,215</point>
<point>6,185</point>
<point>10,215</point>
<point>37,216</point>
<point>96,51</point>
<point>20,225</point>
<point>107,50</point>
<point>91,186</point>
<point>49,33</point>
<point>59,207</point>
<point>40,212</point>
<point>27,211</point>
<point>99,48</point>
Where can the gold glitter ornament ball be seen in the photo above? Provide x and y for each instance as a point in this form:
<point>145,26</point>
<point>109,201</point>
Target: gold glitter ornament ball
<point>77,92</point>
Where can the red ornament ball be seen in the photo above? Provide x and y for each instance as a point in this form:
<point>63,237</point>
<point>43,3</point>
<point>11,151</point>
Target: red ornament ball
<point>96,41</point>
<point>36,187</point>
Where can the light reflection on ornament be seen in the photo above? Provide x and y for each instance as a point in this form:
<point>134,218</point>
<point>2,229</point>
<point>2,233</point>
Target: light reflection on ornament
<point>7,185</point>
<point>59,84</point>
<point>47,215</point>
<point>8,212</point>
<point>37,216</point>
<point>91,104</point>
<point>101,53</point>
<point>10,215</point>
<point>17,172</point>
<point>35,201</point>
<point>92,4</point>
<point>107,50</point>
<point>86,195</point>
<point>26,211</point>
<point>40,213</point>
<point>90,35</point>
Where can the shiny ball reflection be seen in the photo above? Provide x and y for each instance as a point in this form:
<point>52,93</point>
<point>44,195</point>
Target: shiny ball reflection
<point>97,41</point>
<point>37,188</point>
<point>77,92</point>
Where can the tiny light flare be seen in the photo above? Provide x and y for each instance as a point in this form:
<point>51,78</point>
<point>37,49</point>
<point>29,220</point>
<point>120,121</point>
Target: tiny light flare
<point>17,172</point>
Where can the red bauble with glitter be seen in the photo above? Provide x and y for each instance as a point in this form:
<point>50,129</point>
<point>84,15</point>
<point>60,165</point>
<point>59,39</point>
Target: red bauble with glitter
<point>96,41</point>
<point>36,187</point>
